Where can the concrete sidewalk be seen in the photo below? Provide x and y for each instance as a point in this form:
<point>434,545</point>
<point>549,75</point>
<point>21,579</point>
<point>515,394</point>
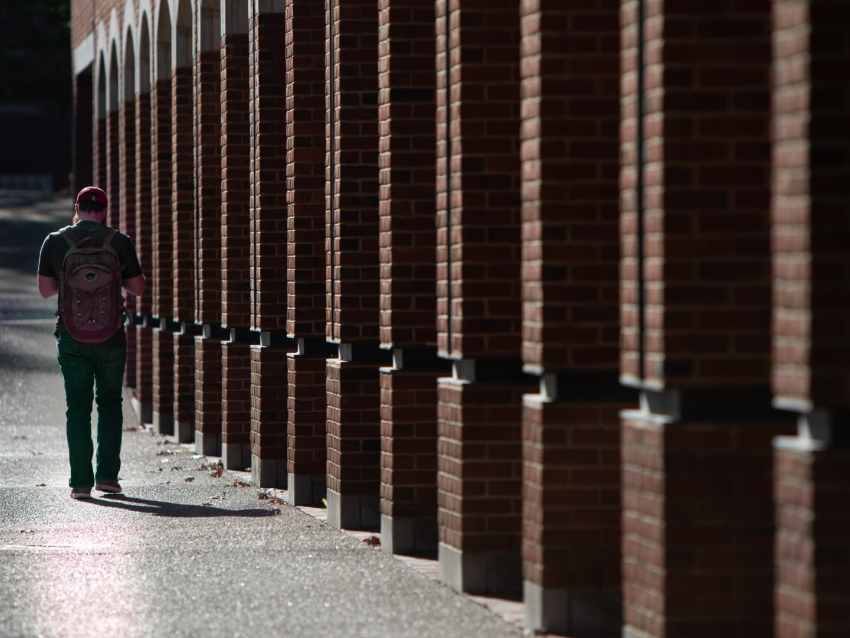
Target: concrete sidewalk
<point>183,552</point>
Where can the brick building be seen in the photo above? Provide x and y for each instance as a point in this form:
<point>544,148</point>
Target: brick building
<point>555,289</point>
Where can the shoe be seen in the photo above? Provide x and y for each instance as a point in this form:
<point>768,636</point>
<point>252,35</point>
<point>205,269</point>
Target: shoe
<point>107,486</point>
<point>80,492</point>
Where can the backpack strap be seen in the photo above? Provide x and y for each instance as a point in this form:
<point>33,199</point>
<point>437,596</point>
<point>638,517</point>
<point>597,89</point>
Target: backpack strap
<point>70,236</point>
<point>106,236</point>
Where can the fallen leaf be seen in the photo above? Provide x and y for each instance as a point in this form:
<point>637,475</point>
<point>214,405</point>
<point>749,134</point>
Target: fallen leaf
<point>217,472</point>
<point>20,437</point>
<point>276,501</point>
<point>130,429</point>
<point>207,504</point>
<point>41,485</point>
<point>189,479</point>
<point>372,541</point>
<point>176,467</point>
<point>262,495</point>
<point>275,512</point>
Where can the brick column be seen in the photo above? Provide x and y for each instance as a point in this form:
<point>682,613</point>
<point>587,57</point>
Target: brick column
<point>408,237</point>
<point>695,290</point>
<point>235,244</point>
<point>268,243</point>
<point>208,223</point>
<point>113,168</point>
<point>99,129</point>
<point>352,277</point>
<point>83,134</point>
<point>811,341</point>
<point>478,295</point>
<point>143,396</point>
<point>182,246</point>
<point>571,428</point>
<point>163,345</point>
<point>305,270</point>
<point>127,213</point>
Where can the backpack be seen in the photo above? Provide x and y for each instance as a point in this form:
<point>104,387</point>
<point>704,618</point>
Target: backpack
<point>90,300</point>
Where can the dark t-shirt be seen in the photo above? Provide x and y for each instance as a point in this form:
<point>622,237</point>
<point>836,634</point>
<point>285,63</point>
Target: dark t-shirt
<point>53,254</point>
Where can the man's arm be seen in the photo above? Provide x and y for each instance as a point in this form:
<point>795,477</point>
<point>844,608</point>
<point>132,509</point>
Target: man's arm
<point>49,286</point>
<point>135,285</point>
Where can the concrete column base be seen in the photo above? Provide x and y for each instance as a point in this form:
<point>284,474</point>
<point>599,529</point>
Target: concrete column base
<point>144,411</point>
<point>208,444</point>
<point>236,456</point>
<point>306,489</point>
<point>579,611</point>
<point>477,572</point>
<point>185,431</point>
<point>354,511</point>
<point>163,424</point>
<point>268,472</point>
<point>408,535</point>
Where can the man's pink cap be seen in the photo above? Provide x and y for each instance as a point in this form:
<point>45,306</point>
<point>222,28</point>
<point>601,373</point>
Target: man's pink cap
<point>92,193</point>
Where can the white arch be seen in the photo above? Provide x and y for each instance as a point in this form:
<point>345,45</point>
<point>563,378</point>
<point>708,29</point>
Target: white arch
<point>208,25</point>
<point>234,16</point>
<point>113,42</point>
<point>144,68</point>
<point>161,42</point>
<point>101,69</point>
<point>129,33</point>
<point>181,33</point>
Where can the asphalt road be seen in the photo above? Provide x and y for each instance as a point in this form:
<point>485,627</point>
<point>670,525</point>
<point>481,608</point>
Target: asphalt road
<point>183,552</point>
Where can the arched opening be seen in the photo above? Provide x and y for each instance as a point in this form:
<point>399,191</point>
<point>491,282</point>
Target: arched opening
<point>113,79</point>
<point>144,57</point>
<point>101,88</point>
<point>163,44</point>
<point>209,33</point>
<point>183,48</point>
<point>129,70</point>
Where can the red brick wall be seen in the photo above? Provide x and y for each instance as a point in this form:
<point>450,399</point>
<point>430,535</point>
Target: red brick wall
<point>811,202</point>
<point>305,168</point>
<point>706,172</point>
<point>353,428</point>
<point>351,205</point>
<point>162,231</point>
<point>235,239</point>
<point>182,195</point>
<point>812,554</point>
<point>268,171</point>
<point>478,260</point>
<point>236,394</point>
<point>305,269</point>
<point>268,402</point>
<point>208,389</point>
<point>127,211</point>
<point>208,163</point>
<point>571,494</point>
<point>570,250</point>
<point>235,181</point>
<point>144,197</point>
<point>113,169</point>
<point>407,155</point>
<point>570,164</point>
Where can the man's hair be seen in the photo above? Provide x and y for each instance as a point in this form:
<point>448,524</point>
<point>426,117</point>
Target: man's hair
<point>89,206</point>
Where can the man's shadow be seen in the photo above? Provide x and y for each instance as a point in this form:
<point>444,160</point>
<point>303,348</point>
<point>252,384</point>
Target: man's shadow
<point>175,510</point>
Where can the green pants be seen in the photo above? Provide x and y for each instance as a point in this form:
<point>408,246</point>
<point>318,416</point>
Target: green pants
<point>93,371</point>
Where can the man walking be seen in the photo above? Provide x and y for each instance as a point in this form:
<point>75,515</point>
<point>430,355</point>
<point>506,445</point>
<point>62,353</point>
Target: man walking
<point>93,363</point>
